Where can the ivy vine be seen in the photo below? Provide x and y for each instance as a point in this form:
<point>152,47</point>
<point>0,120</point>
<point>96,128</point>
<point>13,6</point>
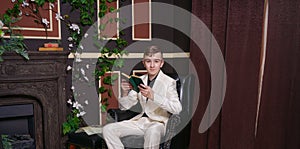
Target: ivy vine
<point>87,13</point>
<point>85,8</point>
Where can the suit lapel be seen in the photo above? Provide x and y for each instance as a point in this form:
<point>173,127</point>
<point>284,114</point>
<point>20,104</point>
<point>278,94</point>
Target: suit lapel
<point>145,81</point>
<point>157,81</point>
<point>156,86</point>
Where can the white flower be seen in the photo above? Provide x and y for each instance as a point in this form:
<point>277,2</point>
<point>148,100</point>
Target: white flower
<point>70,102</point>
<point>86,78</point>
<point>86,35</point>
<point>69,68</point>
<point>72,87</point>
<point>45,21</point>
<point>71,45</point>
<point>86,102</point>
<point>87,66</point>
<point>1,24</point>
<point>32,0</point>
<point>70,39</point>
<point>82,113</point>
<point>78,59</point>
<point>76,105</point>
<point>13,1</point>
<point>20,14</point>
<point>81,47</point>
<point>76,54</point>
<point>58,17</point>
<point>82,71</point>
<point>74,27</point>
<point>25,4</point>
<point>51,5</point>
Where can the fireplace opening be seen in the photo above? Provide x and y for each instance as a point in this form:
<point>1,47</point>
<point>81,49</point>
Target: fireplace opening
<point>17,128</point>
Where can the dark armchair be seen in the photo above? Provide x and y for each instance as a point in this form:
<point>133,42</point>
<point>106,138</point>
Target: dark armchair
<point>173,138</point>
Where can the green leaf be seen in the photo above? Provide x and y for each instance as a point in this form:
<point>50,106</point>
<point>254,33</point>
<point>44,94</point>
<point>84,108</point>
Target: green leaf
<point>103,7</point>
<point>102,90</point>
<point>110,20</point>
<point>109,93</point>
<point>103,108</point>
<point>102,27</point>
<point>66,128</point>
<point>119,63</point>
<point>112,9</point>
<point>104,100</point>
<point>107,80</point>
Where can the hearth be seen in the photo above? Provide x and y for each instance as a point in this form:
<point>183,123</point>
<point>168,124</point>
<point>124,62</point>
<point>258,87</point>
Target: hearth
<point>17,123</point>
<point>33,98</point>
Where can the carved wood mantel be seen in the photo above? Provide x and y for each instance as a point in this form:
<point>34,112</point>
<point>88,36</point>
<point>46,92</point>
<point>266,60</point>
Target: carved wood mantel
<point>40,81</point>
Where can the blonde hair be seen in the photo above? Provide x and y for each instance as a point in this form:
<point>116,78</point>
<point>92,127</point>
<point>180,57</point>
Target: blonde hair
<point>150,51</point>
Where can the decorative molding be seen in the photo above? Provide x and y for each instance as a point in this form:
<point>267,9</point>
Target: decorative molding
<point>115,95</point>
<point>40,81</point>
<point>30,30</point>
<point>111,25</point>
<point>135,55</point>
<point>134,18</point>
<point>21,69</point>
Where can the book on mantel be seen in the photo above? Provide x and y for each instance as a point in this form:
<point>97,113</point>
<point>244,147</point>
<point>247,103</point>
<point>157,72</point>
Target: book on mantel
<point>51,47</point>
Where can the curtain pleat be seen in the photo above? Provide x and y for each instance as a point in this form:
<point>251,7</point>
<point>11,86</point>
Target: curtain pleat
<point>237,26</point>
<point>279,118</point>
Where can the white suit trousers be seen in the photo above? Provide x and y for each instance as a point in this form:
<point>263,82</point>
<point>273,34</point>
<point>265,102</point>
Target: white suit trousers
<point>151,130</point>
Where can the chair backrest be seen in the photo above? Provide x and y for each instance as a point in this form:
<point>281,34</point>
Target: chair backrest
<point>186,96</point>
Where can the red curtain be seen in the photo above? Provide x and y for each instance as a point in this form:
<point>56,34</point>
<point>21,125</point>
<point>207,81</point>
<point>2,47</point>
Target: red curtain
<point>237,26</point>
<point>279,120</point>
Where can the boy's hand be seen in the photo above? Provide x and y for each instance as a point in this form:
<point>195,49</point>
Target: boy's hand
<point>126,86</point>
<point>146,91</point>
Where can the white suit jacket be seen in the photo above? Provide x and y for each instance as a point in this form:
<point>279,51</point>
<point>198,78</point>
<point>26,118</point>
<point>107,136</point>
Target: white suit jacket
<point>165,100</point>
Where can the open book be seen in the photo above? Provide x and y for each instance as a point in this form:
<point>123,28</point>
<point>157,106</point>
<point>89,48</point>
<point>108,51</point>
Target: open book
<point>135,81</point>
<point>90,130</point>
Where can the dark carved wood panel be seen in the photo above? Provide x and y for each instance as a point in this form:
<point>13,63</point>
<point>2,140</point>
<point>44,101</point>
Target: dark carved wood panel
<point>40,81</point>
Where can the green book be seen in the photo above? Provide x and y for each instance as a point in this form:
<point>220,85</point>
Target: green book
<point>135,81</point>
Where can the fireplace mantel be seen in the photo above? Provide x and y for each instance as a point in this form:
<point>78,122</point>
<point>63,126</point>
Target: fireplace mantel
<point>40,81</point>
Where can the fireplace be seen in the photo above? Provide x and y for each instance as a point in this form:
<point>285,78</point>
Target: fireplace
<point>17,123</point>
<point>33,97</point>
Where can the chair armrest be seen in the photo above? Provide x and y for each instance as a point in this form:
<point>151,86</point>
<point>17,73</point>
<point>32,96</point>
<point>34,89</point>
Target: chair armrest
<point>173,122</point>
<point>120,115</point>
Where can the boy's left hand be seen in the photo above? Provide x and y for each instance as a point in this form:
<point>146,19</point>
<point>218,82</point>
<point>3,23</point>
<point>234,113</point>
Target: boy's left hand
<point>146,91</point>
